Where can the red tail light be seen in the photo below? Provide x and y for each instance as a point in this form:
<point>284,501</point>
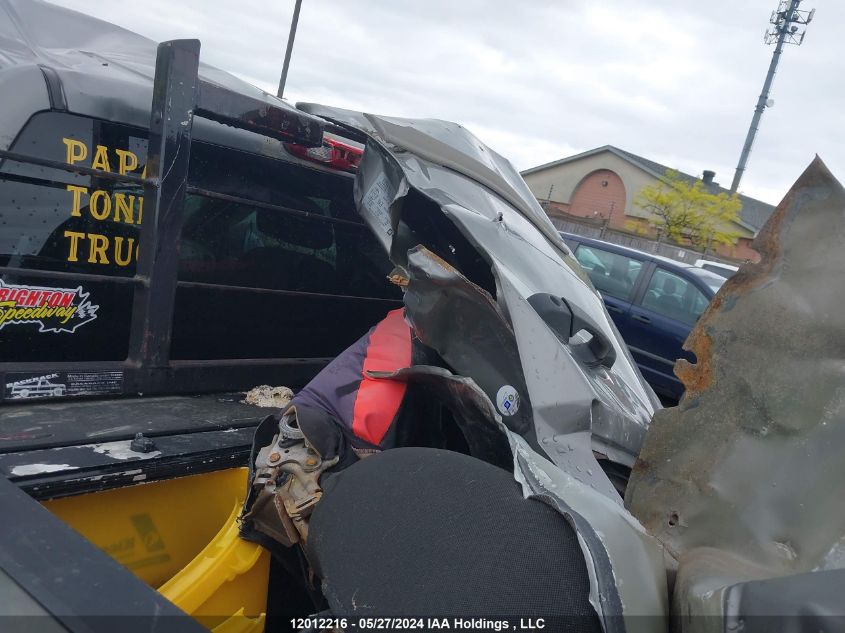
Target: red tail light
<point>333,153</point>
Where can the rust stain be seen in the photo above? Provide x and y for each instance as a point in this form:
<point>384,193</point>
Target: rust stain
<point>398,280</point>
<point>699,376</point>
<point>437,259</point>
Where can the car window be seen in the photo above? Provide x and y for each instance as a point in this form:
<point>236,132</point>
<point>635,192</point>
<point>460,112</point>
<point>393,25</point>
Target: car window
<point>673,296</point>
<point>237,244</point>
<point>292,272</point>
<point>610,272</point>
<point>54,220</point>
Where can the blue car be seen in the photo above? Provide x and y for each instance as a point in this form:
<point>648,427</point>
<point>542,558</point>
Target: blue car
<point>653,300</point>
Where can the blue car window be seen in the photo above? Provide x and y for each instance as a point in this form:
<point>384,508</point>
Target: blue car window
<point>673,296</point>
<point>611,273</point>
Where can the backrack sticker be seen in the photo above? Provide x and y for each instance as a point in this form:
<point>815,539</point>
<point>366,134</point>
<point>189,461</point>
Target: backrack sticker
<point>52,309</point>
<point>28,385</point>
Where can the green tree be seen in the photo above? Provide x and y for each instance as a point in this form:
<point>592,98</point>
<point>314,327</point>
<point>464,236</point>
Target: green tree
<point>684,212</point>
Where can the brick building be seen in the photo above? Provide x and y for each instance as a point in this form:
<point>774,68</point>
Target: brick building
<point>599,186</point>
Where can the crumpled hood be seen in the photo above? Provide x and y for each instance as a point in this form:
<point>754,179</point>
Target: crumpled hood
<point>452,146</point>
<point>432,183</point>
<point>492,288</point>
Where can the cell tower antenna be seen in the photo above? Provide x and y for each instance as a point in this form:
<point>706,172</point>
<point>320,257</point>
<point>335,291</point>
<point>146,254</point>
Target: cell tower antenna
<point>787,22</point>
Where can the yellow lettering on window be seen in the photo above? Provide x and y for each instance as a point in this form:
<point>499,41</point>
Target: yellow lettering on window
<point>97,245</point>
<point>101,159</point>
<point>74,244</point>
<point>100,205</point>
<point>119,258</point>
<point>127,161</point>
<point>124,209</point>
<point>76,150</point>
<point>76,209</point>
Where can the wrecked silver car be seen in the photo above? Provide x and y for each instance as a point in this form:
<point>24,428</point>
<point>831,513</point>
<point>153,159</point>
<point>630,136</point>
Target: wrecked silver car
<point>531,366</point>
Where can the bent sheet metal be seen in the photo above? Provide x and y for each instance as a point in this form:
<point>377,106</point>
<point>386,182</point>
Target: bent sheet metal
<point>493,289</point>
<point>742,482</point>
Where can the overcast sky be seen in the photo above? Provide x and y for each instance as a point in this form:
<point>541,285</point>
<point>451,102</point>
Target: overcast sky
<point>673,80</point>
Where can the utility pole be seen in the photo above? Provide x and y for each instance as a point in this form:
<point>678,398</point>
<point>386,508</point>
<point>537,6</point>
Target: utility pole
<point>294,21</point>
<point>784,30</point>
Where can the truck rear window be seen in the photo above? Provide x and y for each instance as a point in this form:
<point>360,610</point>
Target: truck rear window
<point>262,278</point>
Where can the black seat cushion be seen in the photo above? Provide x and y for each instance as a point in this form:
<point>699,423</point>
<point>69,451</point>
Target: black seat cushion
<point>428,532</point>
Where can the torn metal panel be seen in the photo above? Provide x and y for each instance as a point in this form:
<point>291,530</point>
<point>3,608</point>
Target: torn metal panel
<point>380,188</point>
<point>562,417</point>
<point>742,481</point>
<point>612,401</point>
<point>628,581</point>
<point>464,324</point>
<point>419,180</point>
<point>491,287</point>
<point>453,147</point>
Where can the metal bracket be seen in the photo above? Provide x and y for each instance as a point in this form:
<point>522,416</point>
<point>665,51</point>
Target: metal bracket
<point>287,471</point>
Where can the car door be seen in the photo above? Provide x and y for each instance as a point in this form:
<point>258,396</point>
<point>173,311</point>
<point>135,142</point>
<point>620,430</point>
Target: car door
<point>660,319</point>
<point>615,276</point>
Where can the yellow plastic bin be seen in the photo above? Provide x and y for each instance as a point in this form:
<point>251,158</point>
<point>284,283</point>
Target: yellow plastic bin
<point>181,537</point>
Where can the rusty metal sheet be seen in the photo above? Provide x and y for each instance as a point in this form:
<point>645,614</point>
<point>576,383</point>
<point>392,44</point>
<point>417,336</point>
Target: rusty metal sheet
<point>743,480</point>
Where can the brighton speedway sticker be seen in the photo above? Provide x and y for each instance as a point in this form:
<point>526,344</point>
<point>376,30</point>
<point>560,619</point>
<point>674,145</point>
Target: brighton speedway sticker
<point>52,309</point>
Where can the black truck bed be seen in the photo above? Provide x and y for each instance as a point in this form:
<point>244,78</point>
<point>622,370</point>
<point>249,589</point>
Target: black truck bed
<point>59,448</point>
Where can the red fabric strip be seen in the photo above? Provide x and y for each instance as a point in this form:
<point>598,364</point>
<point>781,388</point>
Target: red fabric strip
<point>378,401</point>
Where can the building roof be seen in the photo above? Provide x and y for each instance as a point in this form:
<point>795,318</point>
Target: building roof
<point>754,212</point>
